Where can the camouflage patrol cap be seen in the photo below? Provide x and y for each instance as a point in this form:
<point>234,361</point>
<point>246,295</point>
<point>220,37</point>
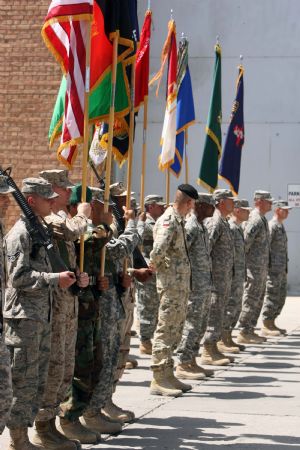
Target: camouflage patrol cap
<point>157,199</point>
<point>98,195</point>
<point>118,190</point>
<point>4,187</point>
<point>57,177</point>
<point>38,186</point>
<point>282,204</point>
<point>241,203</point>
<point>263,195</point>
<point>75,196</point>
<point>206,198</point>
<point>221,194</point>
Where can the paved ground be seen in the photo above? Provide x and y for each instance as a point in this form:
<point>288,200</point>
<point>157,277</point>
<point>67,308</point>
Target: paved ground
<point>254,404</point>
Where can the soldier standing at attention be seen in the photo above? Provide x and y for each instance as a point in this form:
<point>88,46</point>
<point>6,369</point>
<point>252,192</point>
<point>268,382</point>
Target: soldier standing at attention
<point>200,296</point>
<point>28,311</point>
<point>170,259</point>
<point>240,214</point>
<point>6,394</point>
<point>257,246</point>
<point>222,255</point>
<point>147,298</point>
<point>65,312</point>
<point>276,287</point>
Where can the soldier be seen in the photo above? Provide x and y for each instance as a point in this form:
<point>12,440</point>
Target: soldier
<point>6,394</point>
<point>199,300</point>
<point>240,214</point>
<point>257,247</point>
<point>27,312</point>
<point>276,287</point>
<point>65,311</point>
<point>222,254</point>
<point>147,298</point>
<point>170,259</point>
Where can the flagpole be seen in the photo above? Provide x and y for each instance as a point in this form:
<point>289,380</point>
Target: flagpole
<point>85,133</point>
<point>144,153</point>
<point>110,137</point>
<point>186,159</point>
<point>168,186</point>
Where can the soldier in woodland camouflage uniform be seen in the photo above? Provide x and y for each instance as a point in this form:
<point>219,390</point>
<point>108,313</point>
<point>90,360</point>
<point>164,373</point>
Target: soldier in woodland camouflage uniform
<point>200,296</point>
<point>222,254</point>
<point>257,246</point>
<point>240,214</point>
<point>65,312</point>
<point>27,313</point>
<point>173,279</point>
<point>276,287</point>
<point>147,298</point>
<point>6,394</point>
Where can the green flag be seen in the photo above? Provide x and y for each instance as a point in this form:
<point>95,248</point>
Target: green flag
<point>208,176</point>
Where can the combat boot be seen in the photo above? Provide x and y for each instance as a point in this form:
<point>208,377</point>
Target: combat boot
<point>146,347</point>
<point>131,363</point>
<point>177,384</point>
<point>114,412</point>
<point>282,330</point>
<point>75,430</point>
<point>61,436</point>
<point>207,372</point>
<point>224,345</point>
<point>250,338</point>
<point>161,384</point>
<point>100,423</point>
<point>269,328</point>
<point>212,357</point>
<point>19,440</point>
<point>45,438</point>
<point>187,371</point>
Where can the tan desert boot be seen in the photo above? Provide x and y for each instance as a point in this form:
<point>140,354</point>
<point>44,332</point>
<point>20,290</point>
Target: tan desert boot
<point>161,385</point>
<point>211,356</point>
<point>269,328</point>
<point>187,371</point>
<point>114,412</point>
<point>19,440</point>
<point>75,430</point>
<point>100,423</point>
<point>146,347</point>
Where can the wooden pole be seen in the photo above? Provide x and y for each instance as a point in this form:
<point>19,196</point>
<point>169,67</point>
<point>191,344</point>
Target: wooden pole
<point>186,160</point>
<point>168,187</point>
<point>131,134</point>
<point>110,137</point>
<point>85,133</point>
<point>144,155</point>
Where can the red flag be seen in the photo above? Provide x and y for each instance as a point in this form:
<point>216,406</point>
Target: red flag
<point>143,62</point>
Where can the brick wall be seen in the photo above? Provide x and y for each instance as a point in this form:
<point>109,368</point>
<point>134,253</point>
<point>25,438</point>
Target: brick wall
<point>29,81</point>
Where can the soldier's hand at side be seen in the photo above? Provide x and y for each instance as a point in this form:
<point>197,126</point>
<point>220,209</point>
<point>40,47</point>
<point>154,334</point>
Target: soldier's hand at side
<point>143,217</point>
<point>126,280</point>
<point>82,279</point>
<point>128,213</point>
<point>85,209</point>
<point>142,275</point>
<point>66,279</point>
<point>102,283</point>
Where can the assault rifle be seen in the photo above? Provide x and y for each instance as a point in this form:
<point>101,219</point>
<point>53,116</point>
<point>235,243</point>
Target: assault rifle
<point>139,261</point>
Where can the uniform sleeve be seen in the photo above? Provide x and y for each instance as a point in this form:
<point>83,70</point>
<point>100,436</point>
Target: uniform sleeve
<point>163,235</point>
<point>213,229</point>
<point>250,232</point>
<point>191,234</point>
<point>125,244</point>
<point>141,230</point>
<point>68,229</point>
<point>273,230</point>
<point>20,272</point>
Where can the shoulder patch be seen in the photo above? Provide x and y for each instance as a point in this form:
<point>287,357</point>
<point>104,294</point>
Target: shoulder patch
<point>13,258</point>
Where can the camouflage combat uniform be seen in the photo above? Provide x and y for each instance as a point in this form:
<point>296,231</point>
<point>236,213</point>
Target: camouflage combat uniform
<point>234,306</point>
<point>276,286</point>
<point>257,247</point>
<point>64,317</point>
<point>27,321</point>
<point>173,281</point>
<point>200,296</point>
<point>147,298</point>
<point>222,255</point>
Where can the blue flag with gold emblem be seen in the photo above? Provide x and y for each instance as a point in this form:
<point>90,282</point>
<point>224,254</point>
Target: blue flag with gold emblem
<point>230,165</point>
<point>185,115</point>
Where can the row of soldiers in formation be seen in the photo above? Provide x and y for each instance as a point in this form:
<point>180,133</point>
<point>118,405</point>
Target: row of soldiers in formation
<point>66,335</point>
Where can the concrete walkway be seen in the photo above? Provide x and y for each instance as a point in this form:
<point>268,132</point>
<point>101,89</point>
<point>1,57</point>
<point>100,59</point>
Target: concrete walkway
<point>252,404</point>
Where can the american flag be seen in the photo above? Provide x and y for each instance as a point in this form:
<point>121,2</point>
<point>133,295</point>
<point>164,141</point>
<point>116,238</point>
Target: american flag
<point>65,34</point>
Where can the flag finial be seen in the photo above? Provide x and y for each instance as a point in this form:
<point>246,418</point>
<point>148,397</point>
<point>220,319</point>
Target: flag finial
<point>218,39</point>
<point>172,14</point>
<point>241,58</point>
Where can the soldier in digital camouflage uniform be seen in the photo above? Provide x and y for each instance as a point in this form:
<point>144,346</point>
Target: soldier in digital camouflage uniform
<point>222,255</point>
<point>27,313</point>
<point>6,394</point>
<point>276,287</point>
<point>170,259</point>
<point>257,247</point>
<point>66,230</point>
<point>147,299</point>
<point>200,296</point>
<point>240,214</point>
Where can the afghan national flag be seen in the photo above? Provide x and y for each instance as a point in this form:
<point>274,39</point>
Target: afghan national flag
<point>208,176</point>
<point>108,18</point>
<point>142,65</point>
<point>231,159</point>
<point>185,105</point>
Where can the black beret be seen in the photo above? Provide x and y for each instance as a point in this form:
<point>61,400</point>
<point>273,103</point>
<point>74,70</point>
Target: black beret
<point>189,190</point>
